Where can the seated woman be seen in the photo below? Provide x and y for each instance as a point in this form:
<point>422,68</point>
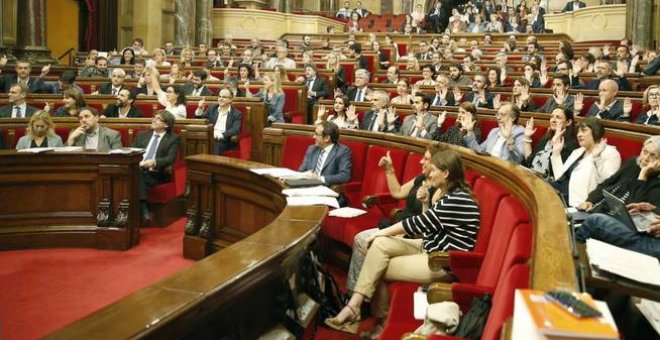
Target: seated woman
<point>272,95</point>
<point>589,165</point>
<point>173,98</point>
<point>404,97</point>
<point>40,133</point>
<point>637,181</point>
<point>427,76</point>
<point>467,113</point>
<point>652,100</point>
<point>452,223</point>
<point>494,77</point>
<point>73,102</point>
<point>521,96</point>
<point>504,141</point>
<point>561,128</point>
<point>344,114</point>
<point>533,75</point>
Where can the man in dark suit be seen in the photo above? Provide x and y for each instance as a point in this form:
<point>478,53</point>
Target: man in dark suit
<point>573,5</point>
<point>380,118</point>
<point>17,107</point>
<point>123,107</point>
<point>479,95</point>
<point>226,121</point>
<point>328,160</point>
<point>360,11</point>
<point>317,88</point>
<point>22,76</point>
<point>161,146</point>
<point>197,86</point>
<point>116,83</point>
<point>91,135</point>
<point>358,93</point>
<point>438,18</point>
<point>424,53</point>
<point>604,71</point>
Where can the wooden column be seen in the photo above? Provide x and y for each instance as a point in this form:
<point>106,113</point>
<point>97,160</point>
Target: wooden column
<point>184,28</point>
<point>31,37</point>
<point>639,22</point>
<point>204,22</point>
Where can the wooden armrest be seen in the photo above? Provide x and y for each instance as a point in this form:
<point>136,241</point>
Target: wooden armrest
<point>439,292</point>
<point>413,336</point>
<point>438,260</point>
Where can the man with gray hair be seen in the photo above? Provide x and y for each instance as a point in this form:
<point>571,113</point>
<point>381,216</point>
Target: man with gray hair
<point>281,58</point>
<point>360,92</point>
<point>115,85</point>
<point>381,117</point>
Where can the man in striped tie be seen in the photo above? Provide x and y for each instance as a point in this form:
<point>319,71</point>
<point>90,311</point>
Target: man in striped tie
<point>328,160</point>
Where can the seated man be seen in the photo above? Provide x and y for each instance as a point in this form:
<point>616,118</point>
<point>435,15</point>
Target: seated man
<point>138,69</point>
<point>226,121</point>
<point>422,124</point>
<point>344,12</point>
<point>505,141</point>
<point>380,117</point>
<point>479,96</point>
<point>603,71</point>
<point>317,88</point>
<point>17,107</point>
<point>608,106</point>
<point>456,77</point>
<point>355,51</point>
<point>161,146</point>
<point>197,85</point>
<point>560,96</point>
<point>393,75</point>
<point>123,107</point>
<point>22,76</point>
<point>116,83</point>
<point>328,160</point>
<point>97,70</point>
<point>573,5</point>
<point>281,58</point>
<point>358,93</point>
<point>91,135</point>
<point>610,230</point>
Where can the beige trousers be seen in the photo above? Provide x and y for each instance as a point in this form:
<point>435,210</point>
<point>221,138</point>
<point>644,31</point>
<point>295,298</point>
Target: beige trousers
<point>393,259</point>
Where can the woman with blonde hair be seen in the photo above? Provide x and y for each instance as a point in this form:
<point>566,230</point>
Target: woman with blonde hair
<point>187,57</point>
<point>271,94</point>
<point>333,64</point>
<point>652,101</point>
<point>158,59</point>
<point>40,133</point>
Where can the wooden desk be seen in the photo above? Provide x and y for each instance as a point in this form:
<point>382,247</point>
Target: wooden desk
<point>613,282</point>
<point>68,200</point>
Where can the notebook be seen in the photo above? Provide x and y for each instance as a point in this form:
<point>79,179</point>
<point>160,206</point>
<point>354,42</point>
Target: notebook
<point>303,182</point>
<point>640,222</point>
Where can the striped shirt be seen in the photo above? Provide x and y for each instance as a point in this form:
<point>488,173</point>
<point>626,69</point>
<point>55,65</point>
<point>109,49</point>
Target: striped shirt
<point>451,224</point>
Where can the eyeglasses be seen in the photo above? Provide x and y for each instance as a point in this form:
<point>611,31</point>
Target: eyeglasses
<point>654,95</point>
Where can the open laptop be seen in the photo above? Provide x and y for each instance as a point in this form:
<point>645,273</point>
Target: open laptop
<point>637,222</point>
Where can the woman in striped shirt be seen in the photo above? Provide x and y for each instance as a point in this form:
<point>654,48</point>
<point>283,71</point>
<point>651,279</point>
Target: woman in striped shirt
<point>452,223</point>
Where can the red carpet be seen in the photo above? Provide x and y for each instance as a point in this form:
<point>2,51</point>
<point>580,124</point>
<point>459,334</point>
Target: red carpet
<point>44,290</point>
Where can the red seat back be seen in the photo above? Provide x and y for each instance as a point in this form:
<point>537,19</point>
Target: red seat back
<point>628,147</point>
<point>294,150</point>
<point>413,167</point>
<point>488,195</point>
<point>359,155</point>
<point>375,181</point>
<point>516,277</point>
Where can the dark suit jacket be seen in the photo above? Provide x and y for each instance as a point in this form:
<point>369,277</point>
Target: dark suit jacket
<point>624,85</point>
<point>5,111</point>
<point>337,166</point>
<point>469,97</point>
<point>166,152</point>
<point>569,6</point>
<point>449,98</point>
<point>340,79</point>
<point>352,92</point>
<point>189,88</point>
<point>143,90</point>
<point>106,88</point>
<point>321,88</point>
<point>234,120</point>
<point>112,111</point>
<point>35,84</point>
<point>614,113</point>
<point>370,119</point>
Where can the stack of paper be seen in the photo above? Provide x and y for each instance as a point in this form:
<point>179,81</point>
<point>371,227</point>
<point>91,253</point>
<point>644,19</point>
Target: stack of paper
<point>629,264</point>
<point>312,200</point>
<point>276,172</point>
<point>36,150</point>
<point>347,212</point>
<point>320,190</point>
<point>125,151</point>
<point>651,311</point>
<point>69,149</point>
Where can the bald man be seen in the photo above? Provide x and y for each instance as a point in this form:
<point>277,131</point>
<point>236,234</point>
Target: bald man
<point>608,107</point>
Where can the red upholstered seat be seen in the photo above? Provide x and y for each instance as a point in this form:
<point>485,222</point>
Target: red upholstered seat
<point>292,103</point>
<point>165,192</point>
<point>294,150</point>
<point>626,145</point>
<point>359,157</point>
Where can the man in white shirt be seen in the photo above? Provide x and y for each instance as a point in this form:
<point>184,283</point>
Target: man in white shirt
<point>344,12</point>
<point>17,107</point>
<point>226,121</point>
<point>281,59</point>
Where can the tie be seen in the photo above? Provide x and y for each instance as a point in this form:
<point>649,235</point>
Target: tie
<point>319,162</point>
<point>114,92</point>
<point>19,114</point>
<point>358,97</point>
<point>152,148</point>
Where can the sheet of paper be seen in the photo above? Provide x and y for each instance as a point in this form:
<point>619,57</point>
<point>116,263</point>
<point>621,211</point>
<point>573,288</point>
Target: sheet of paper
<point>347,212</point>
<point>651,311</point>
<point>36,150</point>
<point>629,264</point>
<point>320,190</point>
<point>275,172</point>
<point>312,200</point>
<point>125,150</point>
<point>69,149</point>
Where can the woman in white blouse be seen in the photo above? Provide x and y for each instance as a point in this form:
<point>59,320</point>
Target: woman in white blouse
<point>173,98</point>
<point>587,166</point>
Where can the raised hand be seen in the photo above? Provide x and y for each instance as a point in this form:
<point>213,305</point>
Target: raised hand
<point>529,128</point>
<point>458,95</point>
<point>45,70</point>
<point>507,129</point>
<point>544,77</point>
<point>350,114</point>
<point>467,123</point>
<point>321,112</point>
<point>47,107</point>
<point>558,135</point>
<point>231,62</point>
<point>621,68</point>
<point>201,103</point>
<point>627,106</point>
<point>3,60</point>
<point>577,68</point>
<point>497,103</point>
<point>423,193</point>
<point>441,118</point>
<point>578,104</point>
<point>385,162</point>
<point>415,89</point>
<point>560,96</point>
<point>391,115</point>
<point>557,146</point>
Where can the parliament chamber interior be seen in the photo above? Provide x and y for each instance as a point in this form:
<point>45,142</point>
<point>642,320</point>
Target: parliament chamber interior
<point>375,169</point>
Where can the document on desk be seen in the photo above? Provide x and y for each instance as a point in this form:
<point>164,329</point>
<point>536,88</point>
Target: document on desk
<point>626,263</point>
<point>36,150</point>
<point>319,190</point>
<point>125,151</point>
<point>276,172</point>
<point>69,149</point>
<point>312,200</point>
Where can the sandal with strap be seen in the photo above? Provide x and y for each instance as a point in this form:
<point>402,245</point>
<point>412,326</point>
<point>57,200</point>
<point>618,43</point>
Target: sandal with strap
<point>350,325</point>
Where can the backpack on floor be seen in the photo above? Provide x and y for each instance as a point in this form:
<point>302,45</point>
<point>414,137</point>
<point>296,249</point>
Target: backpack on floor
<point>321,286</point>
<point>471,325</point>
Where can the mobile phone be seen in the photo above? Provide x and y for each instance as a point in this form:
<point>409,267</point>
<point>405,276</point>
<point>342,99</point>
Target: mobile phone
<point>573,304</point>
